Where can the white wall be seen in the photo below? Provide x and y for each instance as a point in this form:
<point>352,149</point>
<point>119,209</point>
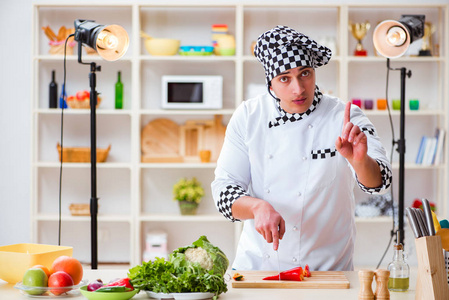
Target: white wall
<point>15,127</point>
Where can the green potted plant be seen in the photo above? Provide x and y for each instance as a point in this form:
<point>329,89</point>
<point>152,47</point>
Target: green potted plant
<point>188,193</point>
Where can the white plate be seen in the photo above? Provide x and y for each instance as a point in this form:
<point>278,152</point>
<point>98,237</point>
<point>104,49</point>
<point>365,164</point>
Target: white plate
<point>180,296</point>
<point>73,292</point>
<point>159,295</point>
<point>192,296</point>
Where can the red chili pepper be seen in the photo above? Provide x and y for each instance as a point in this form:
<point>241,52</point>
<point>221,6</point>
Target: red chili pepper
<point>307,271</point>
<point>237,277</point>
<point>295,274</point>
<point>122,282</point>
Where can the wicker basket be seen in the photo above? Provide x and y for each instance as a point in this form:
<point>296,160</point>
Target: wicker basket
<point>57,48</point>
<point>82,104</point>
<point>81,154</point>
<point>80,209</point>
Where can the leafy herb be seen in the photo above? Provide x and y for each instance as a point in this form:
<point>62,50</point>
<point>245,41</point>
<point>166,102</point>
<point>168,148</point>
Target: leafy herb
<point>179,275</point>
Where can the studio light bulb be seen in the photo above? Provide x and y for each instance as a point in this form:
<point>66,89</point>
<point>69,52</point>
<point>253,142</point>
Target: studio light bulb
<point>396,36</point>
<point>107,40</point>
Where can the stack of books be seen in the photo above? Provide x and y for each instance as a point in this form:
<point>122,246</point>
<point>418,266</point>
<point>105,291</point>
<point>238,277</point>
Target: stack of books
<point>431,149</point>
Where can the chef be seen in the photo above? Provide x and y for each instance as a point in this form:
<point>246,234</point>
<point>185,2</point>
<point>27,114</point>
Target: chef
<point>290,161</point>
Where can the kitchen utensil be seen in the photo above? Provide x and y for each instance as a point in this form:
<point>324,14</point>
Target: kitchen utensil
<point>432,277</point>
<point>421,221</point>
<point>428,214</point>
<point>107,295</point>
<point>444,234</point>
<point>17,258</point>
<point>160,46</point>
<point>160,141</point>
<point>196,50</point>
<point>318,280</point>
<point>69,291</point>
<point>413,222</point>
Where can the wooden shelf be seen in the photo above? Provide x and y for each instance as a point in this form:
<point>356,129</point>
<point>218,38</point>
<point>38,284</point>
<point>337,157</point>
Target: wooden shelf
<point>141,185</point>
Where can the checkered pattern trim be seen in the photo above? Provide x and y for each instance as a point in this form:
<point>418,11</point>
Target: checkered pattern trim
<point>282,48</point>
<point>288,117</point>
<point>227,198</point>
<point>370,131</point>
<point>387,177</point>
<point>324,153</point>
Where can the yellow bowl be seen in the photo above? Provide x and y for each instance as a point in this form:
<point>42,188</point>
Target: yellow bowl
<point>162,47</point>
<point>17,258</point>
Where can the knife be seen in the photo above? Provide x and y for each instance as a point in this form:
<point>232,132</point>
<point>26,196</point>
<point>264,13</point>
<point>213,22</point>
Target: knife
<point>412,222</point>
<point>428,214</point>
<point>421,221</point>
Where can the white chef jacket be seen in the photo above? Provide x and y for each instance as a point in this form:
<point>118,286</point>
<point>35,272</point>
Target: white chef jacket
<point>296,168</point>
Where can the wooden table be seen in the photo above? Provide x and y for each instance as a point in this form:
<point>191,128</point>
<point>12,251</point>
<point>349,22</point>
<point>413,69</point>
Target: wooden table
<point>7,291</point>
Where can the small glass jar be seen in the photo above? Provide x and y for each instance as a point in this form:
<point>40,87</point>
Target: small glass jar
<point>399,271</point>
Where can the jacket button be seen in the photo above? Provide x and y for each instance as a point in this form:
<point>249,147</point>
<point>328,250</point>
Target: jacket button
<point>268,191</point>
<point>310,126</point>
<point>294,259</point>
<point>270,156</point>
<point>267,256</point>
<point>304,158</point>
<point>295,228</point>
<point>299,194</point>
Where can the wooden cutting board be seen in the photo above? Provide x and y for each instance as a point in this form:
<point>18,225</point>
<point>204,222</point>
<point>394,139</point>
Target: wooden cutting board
<point>318,280</point>
<point>160,141</point>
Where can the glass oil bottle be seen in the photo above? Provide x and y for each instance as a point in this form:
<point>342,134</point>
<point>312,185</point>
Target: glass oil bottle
<point>399,270</point>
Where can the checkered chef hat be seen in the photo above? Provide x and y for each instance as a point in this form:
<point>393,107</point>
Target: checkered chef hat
<point>282,48</point>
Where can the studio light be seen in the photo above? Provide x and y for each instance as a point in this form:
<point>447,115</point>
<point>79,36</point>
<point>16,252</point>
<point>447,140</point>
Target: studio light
<point>110,41</point>
<point>392,39</point>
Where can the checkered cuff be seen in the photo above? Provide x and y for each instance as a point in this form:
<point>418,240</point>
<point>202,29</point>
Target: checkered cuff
<point>368,130</point>
<point>387,177</point>
<point>227,198</point>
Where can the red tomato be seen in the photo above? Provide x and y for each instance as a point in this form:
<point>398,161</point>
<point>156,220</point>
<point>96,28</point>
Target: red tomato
<point>81,95</point>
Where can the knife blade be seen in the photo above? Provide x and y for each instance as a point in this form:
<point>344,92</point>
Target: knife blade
<point>422,221</point>
<point>412,222</point>
<point>428,214</point>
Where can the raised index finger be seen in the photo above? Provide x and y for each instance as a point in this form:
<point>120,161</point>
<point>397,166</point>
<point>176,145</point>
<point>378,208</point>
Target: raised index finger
<point>347,117</point>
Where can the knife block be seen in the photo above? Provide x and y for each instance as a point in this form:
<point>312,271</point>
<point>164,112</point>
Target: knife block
<point>432,278</point>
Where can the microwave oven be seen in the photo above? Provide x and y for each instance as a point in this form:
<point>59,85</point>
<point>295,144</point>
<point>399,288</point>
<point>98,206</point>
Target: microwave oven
<point>192,92</point>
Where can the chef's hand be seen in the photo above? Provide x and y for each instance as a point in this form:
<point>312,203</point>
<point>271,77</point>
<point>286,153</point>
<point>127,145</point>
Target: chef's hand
<point>267,221</point>
<point>353,143</point>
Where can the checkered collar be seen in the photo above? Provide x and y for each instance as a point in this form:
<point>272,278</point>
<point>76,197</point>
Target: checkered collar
<point>286,117</point>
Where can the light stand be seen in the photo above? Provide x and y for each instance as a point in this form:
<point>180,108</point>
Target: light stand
<point>392,39</point>
<point>111,43</point>
<point>401,149</point>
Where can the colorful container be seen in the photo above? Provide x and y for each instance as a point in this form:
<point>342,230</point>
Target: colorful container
<point>17,258</point>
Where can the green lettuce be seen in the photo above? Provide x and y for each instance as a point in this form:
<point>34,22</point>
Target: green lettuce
<point>179,275</point>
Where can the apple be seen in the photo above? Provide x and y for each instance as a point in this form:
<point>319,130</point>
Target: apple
<point>59,281</point>
<point>35,277</point>
<point>81,95</point>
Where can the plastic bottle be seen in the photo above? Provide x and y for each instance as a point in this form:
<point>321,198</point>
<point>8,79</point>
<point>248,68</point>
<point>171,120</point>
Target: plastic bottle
<point>399,271</point>
<point>53,92</point>
<point>63,98</point>
<point>119,92</point>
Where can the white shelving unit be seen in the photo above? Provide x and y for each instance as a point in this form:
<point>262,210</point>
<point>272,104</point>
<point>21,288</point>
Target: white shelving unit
<point>136,197</point>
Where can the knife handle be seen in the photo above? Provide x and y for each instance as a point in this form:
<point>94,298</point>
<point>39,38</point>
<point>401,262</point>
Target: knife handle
<point>428,214</point>
<point>412,221</point>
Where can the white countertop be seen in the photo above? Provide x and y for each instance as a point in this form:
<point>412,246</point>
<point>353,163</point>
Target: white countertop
<point>7,291</point>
